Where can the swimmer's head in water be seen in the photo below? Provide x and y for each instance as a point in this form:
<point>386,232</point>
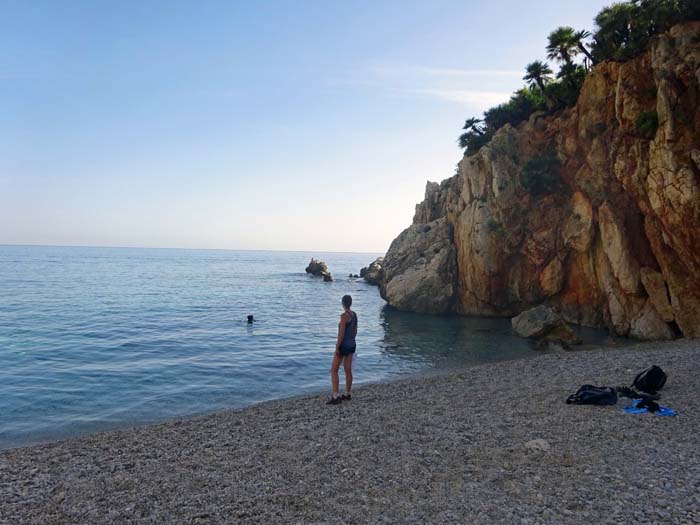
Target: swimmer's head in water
<point>347,301</point>
<point>250,318</point>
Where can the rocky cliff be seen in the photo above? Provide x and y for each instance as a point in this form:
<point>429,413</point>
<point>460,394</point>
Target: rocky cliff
<point>594,211</point>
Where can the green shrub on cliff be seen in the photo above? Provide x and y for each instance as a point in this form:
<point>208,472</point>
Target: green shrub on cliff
<point>623,31</point>
<point>565,93</point>
<point>647,122</point>
<point>540,175</point>
<point>522,104</point>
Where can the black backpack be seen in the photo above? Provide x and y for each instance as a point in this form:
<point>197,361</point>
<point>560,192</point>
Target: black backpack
<point>651,380</point>
<point>593,395</point>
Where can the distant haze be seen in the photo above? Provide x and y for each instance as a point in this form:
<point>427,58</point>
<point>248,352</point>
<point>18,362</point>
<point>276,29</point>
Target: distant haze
<point>251,125</point>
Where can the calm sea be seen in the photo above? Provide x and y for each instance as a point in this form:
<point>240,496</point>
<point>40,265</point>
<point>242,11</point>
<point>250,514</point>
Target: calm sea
<point>98,338</point>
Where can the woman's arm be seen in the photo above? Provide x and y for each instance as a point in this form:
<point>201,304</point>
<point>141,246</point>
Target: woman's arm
<point>341,331</point>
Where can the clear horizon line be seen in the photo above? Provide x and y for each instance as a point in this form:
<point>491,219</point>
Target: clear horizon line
<point>180,248</point>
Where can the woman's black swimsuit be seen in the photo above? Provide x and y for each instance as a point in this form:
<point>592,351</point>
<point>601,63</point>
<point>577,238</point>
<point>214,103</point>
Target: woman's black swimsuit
<point>347,345</point>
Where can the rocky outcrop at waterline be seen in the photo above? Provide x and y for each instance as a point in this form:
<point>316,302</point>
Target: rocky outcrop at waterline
<point>372,274</point>
<point>319,269</point>
<point>595,210</point>
<point>543,323</point>
<point>420,269</point>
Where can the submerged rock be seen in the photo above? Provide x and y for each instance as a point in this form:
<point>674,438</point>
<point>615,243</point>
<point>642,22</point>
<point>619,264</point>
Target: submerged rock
<point>319,269</point>
<point>542,322</point>
<point>372,274</point>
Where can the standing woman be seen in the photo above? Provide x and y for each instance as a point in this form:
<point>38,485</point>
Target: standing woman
<point>344,351</point>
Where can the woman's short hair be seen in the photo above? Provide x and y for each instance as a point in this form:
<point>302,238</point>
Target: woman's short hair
<point>347,301</point>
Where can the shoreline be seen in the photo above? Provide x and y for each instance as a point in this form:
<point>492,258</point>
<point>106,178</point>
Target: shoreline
<point>311,392</point>
<point>436,447</point>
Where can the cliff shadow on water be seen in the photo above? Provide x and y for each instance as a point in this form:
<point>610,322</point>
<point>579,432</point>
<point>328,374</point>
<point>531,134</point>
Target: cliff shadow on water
<point>449,341</point>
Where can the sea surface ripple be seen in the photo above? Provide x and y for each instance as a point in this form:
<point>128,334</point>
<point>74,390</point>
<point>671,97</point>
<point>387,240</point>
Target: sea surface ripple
<point>99,338</point>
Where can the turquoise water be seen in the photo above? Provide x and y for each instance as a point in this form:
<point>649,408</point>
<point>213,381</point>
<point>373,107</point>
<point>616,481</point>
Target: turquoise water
<point>98,338</point>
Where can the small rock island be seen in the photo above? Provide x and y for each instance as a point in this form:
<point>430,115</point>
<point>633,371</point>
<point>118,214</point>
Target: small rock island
<point>319,269</point>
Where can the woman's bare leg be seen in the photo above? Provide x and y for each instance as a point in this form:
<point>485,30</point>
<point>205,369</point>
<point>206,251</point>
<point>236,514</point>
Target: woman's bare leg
<point>347,366</point>
<point>335,366</point>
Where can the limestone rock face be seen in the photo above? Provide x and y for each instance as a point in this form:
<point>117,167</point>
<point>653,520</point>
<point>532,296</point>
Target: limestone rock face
<point>372,273</point>
<point>648,324</point>
<point>419,269</point>
<point>655,287</point>
<point>577,231</point>
<point>615,244</point>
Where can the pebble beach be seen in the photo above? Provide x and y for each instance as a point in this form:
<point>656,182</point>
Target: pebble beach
<point>489,444</point>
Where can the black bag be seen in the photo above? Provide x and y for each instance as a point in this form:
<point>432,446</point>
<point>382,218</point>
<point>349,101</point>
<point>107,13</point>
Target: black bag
<point>651,380</point>
<point>593,395</point>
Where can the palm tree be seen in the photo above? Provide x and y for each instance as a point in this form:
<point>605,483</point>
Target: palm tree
<point>562,45</point>
<point>537,73</point>
<point>579,37</point>
<point>572,74</point>
<point>474,135</point>
<point>472,124</point>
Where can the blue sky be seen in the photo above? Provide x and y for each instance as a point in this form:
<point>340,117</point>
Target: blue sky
<point>307,125</point>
